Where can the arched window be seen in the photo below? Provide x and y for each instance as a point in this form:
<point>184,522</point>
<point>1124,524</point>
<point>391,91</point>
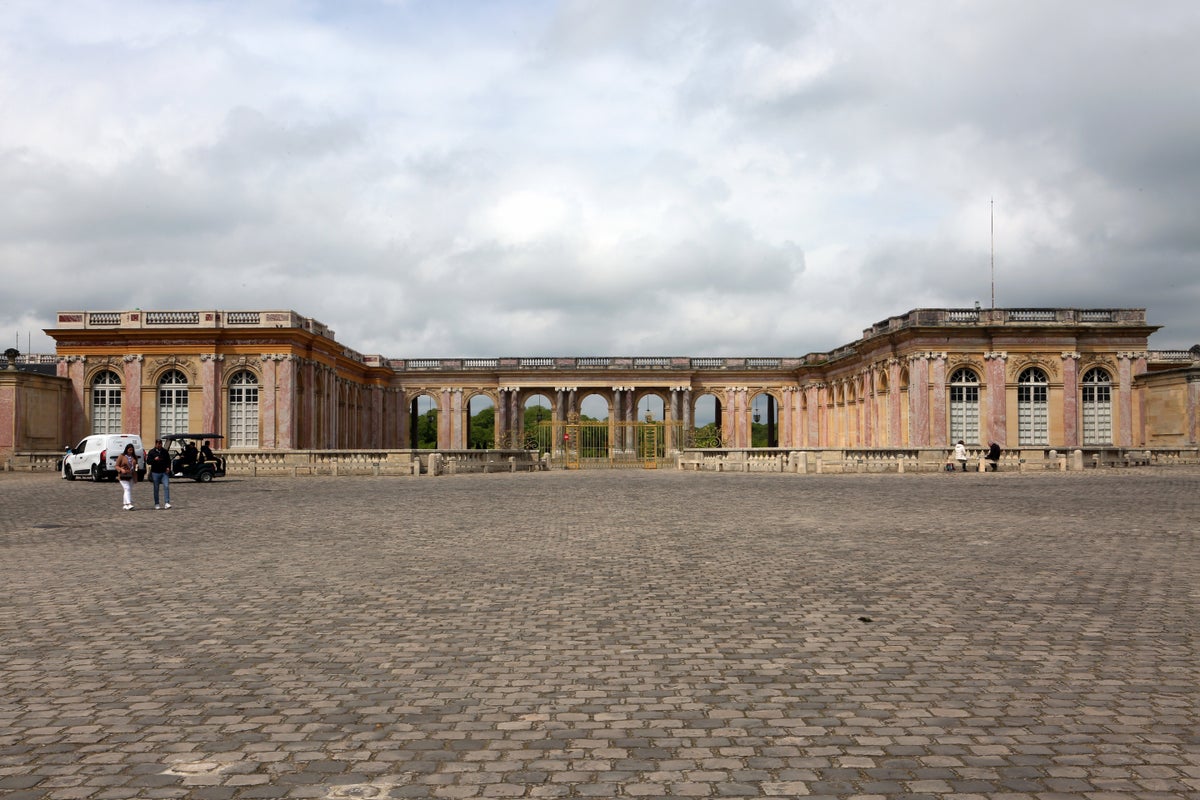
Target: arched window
<point>243,410</point>
<point>964,406</point>
<point>1033,407</point>
<point>172,403</point>
<point>106,403</point>
<point>1097,407</point>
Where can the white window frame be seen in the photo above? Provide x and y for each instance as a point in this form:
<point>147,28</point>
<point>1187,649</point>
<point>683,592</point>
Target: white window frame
<point>243,410</point>
<point>106,402</point>
<point>172,403</point>
<point>1096,406</point>
<point>1033,407</point>
<point>964,406</point>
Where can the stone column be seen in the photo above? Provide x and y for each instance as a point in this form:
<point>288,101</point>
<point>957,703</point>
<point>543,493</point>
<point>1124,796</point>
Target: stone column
<point>812,417</point>
<point>1125,363</point>
<point>502,436</point>
<point>1192,411</point>
<point>997,397</point>
<point>939,428</point>
<point>1070,399</point>
<point>285,403</point>
<point>267,399</point>
<point>918,400</point>
<point>895,411</point>
<point>131,402</point>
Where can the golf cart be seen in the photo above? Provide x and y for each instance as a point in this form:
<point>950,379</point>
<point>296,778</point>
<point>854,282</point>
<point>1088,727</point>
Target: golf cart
<point>186,460</point>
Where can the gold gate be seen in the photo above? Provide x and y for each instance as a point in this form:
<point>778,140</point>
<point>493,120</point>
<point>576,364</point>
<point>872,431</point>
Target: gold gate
<point>600,444</point>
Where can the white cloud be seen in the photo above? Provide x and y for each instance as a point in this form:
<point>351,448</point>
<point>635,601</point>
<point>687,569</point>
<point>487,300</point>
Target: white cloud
<point>513,178</point>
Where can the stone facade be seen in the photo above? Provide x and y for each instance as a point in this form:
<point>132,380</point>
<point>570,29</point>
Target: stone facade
<point>1026,378</point>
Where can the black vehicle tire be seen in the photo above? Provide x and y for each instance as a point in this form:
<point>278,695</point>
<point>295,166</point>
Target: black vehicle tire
<point>68,473</point>
<point>97,476</point>
<point>204,476</point>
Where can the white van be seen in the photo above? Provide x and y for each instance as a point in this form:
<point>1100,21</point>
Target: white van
<point>96,456</point>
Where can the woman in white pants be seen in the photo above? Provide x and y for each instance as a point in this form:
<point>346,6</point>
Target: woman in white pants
<point>127,474</point>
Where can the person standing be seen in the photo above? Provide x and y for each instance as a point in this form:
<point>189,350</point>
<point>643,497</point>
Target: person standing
<point>127,465</point>
<point>159,461</point>
<point>960,454</point>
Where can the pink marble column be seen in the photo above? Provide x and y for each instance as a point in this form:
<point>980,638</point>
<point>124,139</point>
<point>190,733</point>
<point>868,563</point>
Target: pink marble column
<point>76,416</point>
<point>939,410</point>
<point>1125,393</point>
<point>918,400</point>
<point>210,386</point>
<point>997,393</point>
<point>1192,412</point>
<point>131,404</point>
<point>1070,399</point>
<point>895,411</point>
<point>267,434</point>
<point>286,404</point>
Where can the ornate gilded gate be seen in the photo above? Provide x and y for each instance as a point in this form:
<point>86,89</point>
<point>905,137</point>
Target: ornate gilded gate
<point>602,444</point>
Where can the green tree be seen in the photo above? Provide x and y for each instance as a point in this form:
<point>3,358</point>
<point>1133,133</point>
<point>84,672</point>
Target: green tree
<point>427,427</point>
<point>482,433</point>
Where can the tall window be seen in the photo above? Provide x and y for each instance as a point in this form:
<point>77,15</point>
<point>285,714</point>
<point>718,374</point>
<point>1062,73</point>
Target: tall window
<point>964,406</point>
<point>1033,407</point>
<point>106,403</point>
<point>172,403</point>
<point>1097,407</point>
<point>243,410</point>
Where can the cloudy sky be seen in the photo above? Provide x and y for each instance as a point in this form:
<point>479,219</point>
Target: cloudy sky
<point>598,177</point>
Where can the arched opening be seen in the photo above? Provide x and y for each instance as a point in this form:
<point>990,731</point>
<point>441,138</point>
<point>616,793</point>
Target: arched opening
<point>706,421</point>
<point>243,410</point>
<point>106,402</point>
<point>481,422</point>
<point>538,411</point>
<point>423,416</point>
<point>594,407</point>
<point>1096,406</point>
<point>763,414</point>
<point>651,408</point>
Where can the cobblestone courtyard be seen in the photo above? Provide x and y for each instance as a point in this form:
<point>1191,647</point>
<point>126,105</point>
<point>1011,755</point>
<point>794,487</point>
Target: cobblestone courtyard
<point>639,634</point>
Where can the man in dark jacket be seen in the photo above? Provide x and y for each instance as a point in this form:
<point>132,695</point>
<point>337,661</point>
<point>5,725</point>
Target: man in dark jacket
<point>993,457</point>
<point>159,461</point>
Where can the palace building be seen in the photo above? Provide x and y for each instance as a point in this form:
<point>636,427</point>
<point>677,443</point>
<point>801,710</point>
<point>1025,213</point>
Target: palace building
<point>275,380</point>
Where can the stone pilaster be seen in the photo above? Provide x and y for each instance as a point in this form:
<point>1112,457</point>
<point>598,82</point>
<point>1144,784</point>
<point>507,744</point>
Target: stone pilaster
<point>1070,398</point>
<point>995,376</point>
<point>131,402</point>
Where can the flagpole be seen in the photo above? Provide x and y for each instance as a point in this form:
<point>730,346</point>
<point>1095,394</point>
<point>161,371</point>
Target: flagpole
<point>992,203</point>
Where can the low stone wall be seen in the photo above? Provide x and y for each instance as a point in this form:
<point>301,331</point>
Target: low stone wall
<point>835,461</point>
<point>291,463</point>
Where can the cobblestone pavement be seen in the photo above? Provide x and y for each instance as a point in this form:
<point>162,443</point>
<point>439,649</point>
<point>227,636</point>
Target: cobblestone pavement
<point>600,634</point>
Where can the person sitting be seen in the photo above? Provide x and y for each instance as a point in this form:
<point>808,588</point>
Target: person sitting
<point>206,453</point>
<point>993,457</point>
<point>186,459</point>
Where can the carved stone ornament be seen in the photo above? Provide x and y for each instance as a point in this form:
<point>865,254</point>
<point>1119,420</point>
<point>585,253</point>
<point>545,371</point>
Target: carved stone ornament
<point>998,355</point>
<point>1052,369</point>
<point>133,357</point>
<point>1070,354</point>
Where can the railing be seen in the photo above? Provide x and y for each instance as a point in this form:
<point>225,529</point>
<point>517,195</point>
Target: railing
<point>1032,315</point>
<point>242,317</point>
<point>593,361</point>
<point>480,363</point>
<point>172,317</point>
<point>1173,355</point>
<point>652,361</point>
<point>104,318</point>
<point>763,363</point>
<point>970,315</point>
<point>537,363</point>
